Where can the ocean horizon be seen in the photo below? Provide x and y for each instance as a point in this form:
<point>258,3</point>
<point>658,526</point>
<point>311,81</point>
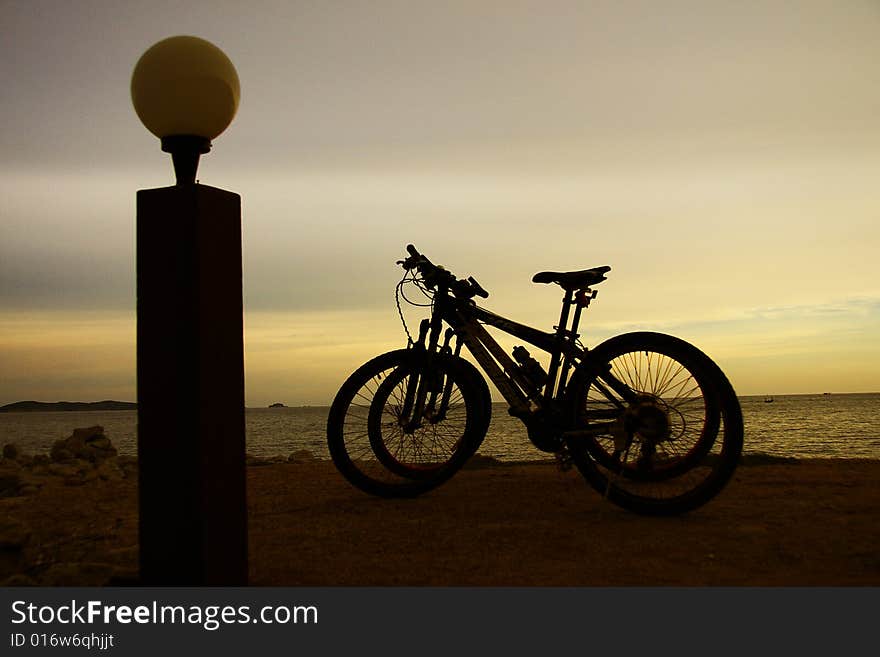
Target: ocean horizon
<point>839,425</point>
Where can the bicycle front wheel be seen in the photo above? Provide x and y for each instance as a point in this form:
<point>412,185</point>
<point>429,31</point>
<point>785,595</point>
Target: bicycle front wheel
<point>658,428</point>
<point>387,442</point>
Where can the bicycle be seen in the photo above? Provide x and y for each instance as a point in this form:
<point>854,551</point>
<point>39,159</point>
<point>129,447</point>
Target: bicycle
<point>649,420</point>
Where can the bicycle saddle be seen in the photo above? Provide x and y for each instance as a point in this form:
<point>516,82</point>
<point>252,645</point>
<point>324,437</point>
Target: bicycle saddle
<point>572,280</point>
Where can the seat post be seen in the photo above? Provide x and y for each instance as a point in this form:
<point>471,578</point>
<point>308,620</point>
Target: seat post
<point>563,316</point>
<point>579,306</point>
<point>550,389</point>
<point>581,301</point>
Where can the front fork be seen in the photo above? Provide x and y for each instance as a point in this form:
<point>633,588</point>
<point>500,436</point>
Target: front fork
<point>426,383</point>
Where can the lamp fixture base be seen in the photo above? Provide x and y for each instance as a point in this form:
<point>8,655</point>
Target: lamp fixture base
<point>185,152</point>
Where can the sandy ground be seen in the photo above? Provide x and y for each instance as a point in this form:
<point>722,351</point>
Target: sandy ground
<point>802,523</point>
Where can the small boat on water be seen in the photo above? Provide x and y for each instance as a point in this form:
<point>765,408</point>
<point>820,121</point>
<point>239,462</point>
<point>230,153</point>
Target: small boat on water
<point>768,400</point>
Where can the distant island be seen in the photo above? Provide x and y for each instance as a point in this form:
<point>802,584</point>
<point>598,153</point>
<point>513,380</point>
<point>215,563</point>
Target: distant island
<point>35,406</point>
<point>277,405</point>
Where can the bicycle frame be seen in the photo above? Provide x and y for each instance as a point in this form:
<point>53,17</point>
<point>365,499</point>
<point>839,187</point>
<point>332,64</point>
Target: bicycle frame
<point>520,393</point>
<point>524,397</point>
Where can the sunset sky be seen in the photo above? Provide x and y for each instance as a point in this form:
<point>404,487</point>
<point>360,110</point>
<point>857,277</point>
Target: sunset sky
<point>722,157</point>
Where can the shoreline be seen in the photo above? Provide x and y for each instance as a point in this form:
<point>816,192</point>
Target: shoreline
<point>805,522</point>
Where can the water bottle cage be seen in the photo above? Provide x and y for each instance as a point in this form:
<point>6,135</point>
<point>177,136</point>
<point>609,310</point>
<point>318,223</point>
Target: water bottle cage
<point>530,367</point>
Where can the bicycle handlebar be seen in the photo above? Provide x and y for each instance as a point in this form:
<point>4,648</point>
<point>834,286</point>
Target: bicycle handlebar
<point>435,275</point>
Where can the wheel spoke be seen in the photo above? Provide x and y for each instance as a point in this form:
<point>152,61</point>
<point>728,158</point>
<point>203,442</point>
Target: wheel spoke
<point>684,425</point>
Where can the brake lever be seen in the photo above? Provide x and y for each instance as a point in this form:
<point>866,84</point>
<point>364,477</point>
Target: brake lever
<point>410,262</point>
<point>477,288</point>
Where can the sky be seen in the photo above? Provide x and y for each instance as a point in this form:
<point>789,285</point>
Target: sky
<point>721,156</point>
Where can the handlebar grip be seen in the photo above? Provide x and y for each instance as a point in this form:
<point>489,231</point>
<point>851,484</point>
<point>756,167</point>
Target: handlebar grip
<point>412,250</point>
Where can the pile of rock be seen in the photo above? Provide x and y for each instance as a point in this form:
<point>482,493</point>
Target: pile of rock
<point>86,455</point>
<point>89,444</point>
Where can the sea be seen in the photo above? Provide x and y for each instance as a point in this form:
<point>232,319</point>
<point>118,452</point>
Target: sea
<point>801,426</point>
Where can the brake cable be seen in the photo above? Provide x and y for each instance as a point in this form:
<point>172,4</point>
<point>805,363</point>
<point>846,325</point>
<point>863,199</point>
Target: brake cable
<point>409,277</point>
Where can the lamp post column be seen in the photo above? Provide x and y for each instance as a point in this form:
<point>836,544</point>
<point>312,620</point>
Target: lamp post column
<point>190,353</point>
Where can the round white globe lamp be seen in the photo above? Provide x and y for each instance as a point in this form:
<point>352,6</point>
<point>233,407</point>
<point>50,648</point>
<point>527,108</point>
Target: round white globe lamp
<point>185,91</point>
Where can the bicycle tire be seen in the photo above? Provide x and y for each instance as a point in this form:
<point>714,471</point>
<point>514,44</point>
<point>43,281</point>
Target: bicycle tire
<point>680,390</point>
<point>357,451</point>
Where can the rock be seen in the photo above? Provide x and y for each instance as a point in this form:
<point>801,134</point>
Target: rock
<point>63,470</point>
<point>109,470</point>
<point>95,446</point>
<point>128,466</point>
<point>12,477</point>
<point>127,461</point>
<point>59,452</point>
<point>89,475</point>
<point>478,461</point>
<point>89,444</point>
<point>86,434</point>
<point>40,470</point>
<point>301,456</point>
<point>11,451</point>
<point>8,465</point>
<point>760,458</point>
<point>101,443</point>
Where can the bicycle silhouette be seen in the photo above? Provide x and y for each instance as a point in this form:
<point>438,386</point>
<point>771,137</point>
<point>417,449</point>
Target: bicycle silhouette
<point>650,421</point>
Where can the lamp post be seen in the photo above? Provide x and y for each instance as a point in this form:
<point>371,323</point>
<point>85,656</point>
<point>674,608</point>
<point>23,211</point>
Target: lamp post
<point>190,354</point>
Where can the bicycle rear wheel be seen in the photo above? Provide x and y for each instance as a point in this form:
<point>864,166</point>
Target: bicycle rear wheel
<point>667,440</point>
<point>387,452</point>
